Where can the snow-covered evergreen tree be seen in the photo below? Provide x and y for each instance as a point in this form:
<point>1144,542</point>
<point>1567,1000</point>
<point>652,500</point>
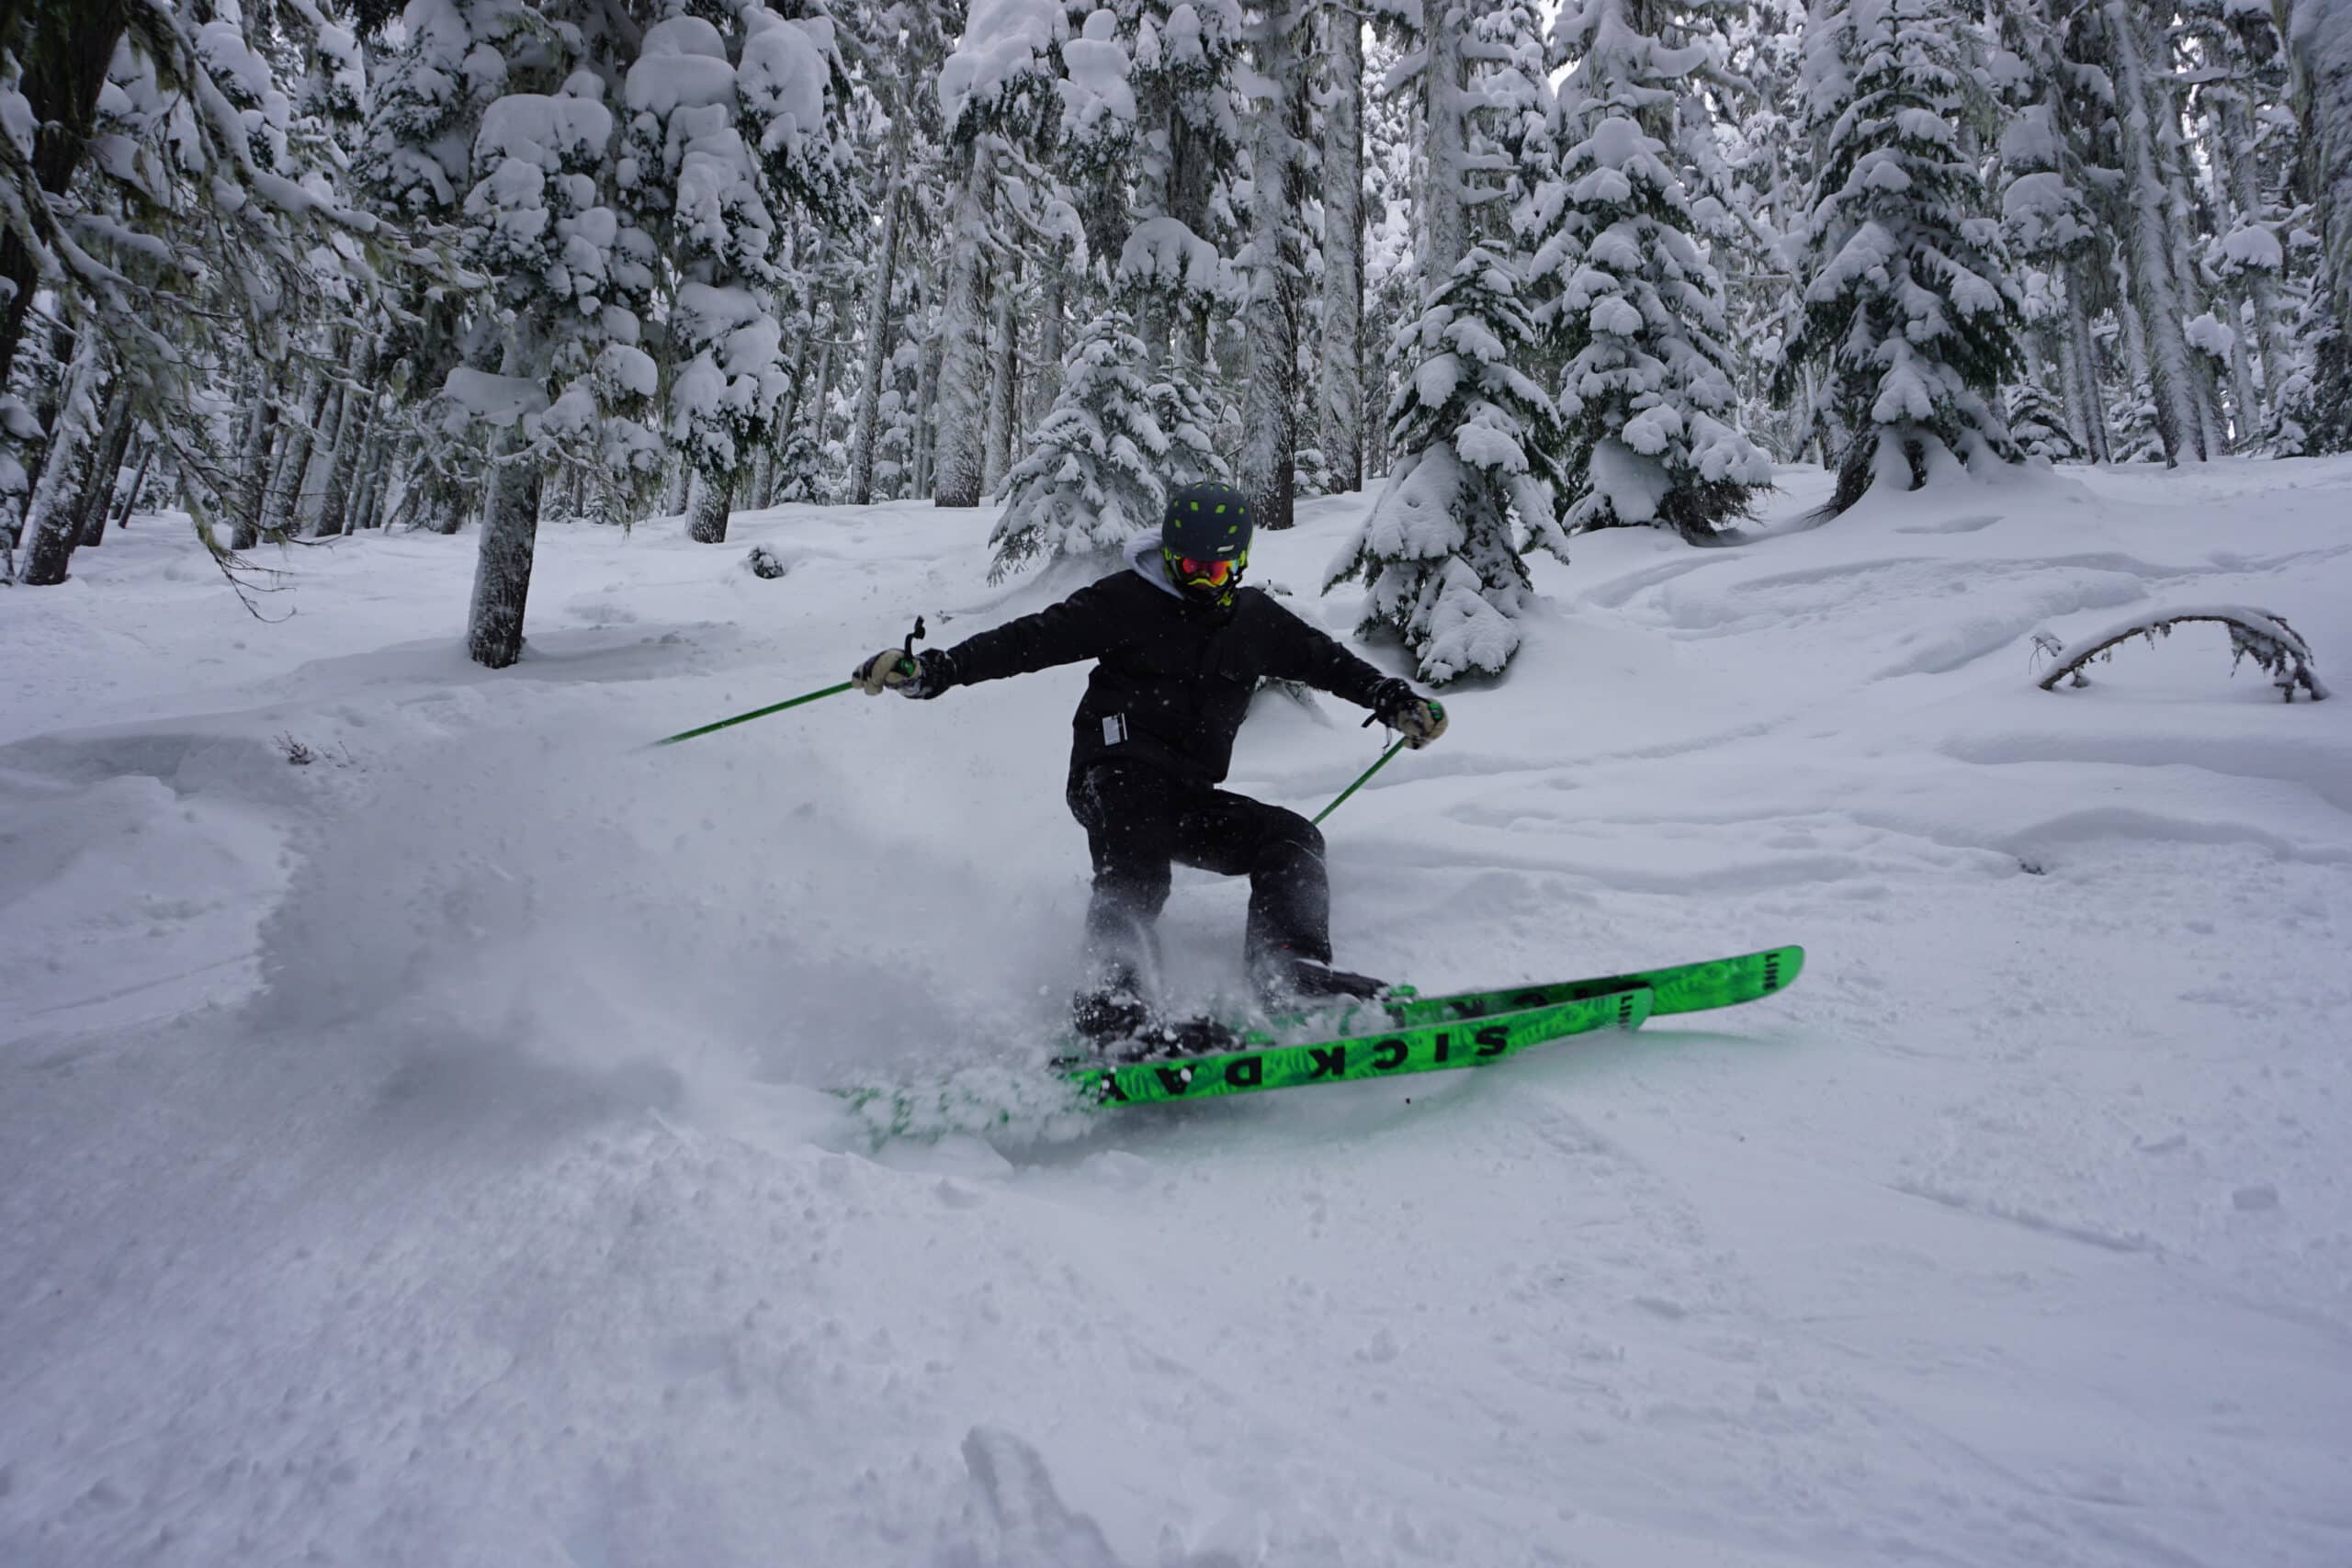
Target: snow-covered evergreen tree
<point>1910,311</point>
<point>719,130</point>
<point>2038,425</point>
<point>1634,307</point>
<point>1476,438</point>
<point>1096,474</point>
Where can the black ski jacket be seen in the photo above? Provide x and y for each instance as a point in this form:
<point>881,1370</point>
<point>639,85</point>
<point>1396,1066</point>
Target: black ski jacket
<point>1175,676</point>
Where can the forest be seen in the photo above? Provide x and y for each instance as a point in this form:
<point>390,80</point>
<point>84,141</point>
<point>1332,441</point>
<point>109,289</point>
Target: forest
<point>307,268</point>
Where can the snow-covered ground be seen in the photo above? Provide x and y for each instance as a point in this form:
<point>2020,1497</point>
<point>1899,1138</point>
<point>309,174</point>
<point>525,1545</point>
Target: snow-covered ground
<point>415,1156</point>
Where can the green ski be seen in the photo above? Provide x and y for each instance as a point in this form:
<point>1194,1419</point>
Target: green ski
<point>977,1104</point>
<point>1423,1047</point>
<point>1684,987</point>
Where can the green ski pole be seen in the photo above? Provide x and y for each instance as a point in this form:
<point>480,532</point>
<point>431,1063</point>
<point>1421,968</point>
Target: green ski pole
<point>1367,773</point>
<point>1359,780</point>
<point>755,713</point>
<point>779,707</point>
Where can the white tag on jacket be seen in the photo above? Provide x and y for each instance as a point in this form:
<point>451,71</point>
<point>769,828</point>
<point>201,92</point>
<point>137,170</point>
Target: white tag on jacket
<point>1115,728</point>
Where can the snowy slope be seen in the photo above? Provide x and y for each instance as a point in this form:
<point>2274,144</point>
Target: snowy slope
<point>414,1156</point>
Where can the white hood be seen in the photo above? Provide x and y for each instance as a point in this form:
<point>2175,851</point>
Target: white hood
<point>1142,554</point>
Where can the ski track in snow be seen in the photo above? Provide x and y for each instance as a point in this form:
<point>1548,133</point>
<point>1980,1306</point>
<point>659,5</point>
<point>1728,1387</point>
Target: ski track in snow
<point>415,1156</point>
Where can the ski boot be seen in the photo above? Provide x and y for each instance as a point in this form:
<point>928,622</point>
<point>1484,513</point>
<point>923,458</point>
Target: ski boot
<point>1113,1020</point>
<point>1286,979</point>
<point>1111,1009</point>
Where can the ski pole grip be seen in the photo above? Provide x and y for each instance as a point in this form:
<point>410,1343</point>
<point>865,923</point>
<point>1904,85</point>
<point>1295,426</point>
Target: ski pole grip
<point>907,661</point>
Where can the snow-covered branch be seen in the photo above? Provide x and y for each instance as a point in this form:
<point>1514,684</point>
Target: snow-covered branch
<point>2258,634</point>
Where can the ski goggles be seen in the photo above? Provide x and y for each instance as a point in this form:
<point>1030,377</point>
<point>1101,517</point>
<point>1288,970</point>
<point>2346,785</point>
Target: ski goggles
<point>1204,573</point>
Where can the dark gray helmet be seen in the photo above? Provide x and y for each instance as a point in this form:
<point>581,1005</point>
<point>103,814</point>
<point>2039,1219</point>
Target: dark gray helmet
<point>1206,522</point>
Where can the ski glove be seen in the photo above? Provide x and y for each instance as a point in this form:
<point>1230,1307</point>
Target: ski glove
<point>1415,717</point>
<point>925,674</point>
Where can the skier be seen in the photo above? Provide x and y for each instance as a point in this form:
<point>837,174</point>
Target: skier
<point>1181,646</point>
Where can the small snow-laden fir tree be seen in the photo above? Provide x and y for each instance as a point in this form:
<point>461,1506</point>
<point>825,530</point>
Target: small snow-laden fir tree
<point>1475,439</point>
<point>1187,414</point>
<point>2311,408</point>
<point>1096,472</point>
<point>1509,57</point>
<point>1910,311</point>
<point>1647,393</point>
<point>1315,476</point>
<point>2039,425</point>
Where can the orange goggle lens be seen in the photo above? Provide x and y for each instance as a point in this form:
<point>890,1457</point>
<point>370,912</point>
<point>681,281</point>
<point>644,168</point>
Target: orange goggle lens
<point>1215,573</point>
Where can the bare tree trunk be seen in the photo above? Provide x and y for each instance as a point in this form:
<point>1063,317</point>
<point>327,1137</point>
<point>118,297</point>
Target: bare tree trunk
<point>2158,299</point>
<point>63,343</point>
<point>1342,349</point>
<point>368,479</point>
<point>820,410</point>
<point>294,458</point>
<point>52,525</point>
<point>138,483</point>
<point>878,322</point>
<point>359,474</point>
<point>1270,402</point>
<point>707,512</point>
<point>961,432</point>
<point>1444,230</point>
<point>2081,374</point>
<point>95,503</point>
<point>1004,376</point>
<point>253,466</point>
<point>926,418</point>
<point>510,524</point>
<point>357,416</point>
<point>310,494</point>
<point>2321,40</point>
<point>1190,172</point>
<point>1045,377</point>
<point>787,412</point>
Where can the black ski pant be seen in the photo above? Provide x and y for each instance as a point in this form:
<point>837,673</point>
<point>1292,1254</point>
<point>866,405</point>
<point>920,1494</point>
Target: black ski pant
<point>1139,822</point>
